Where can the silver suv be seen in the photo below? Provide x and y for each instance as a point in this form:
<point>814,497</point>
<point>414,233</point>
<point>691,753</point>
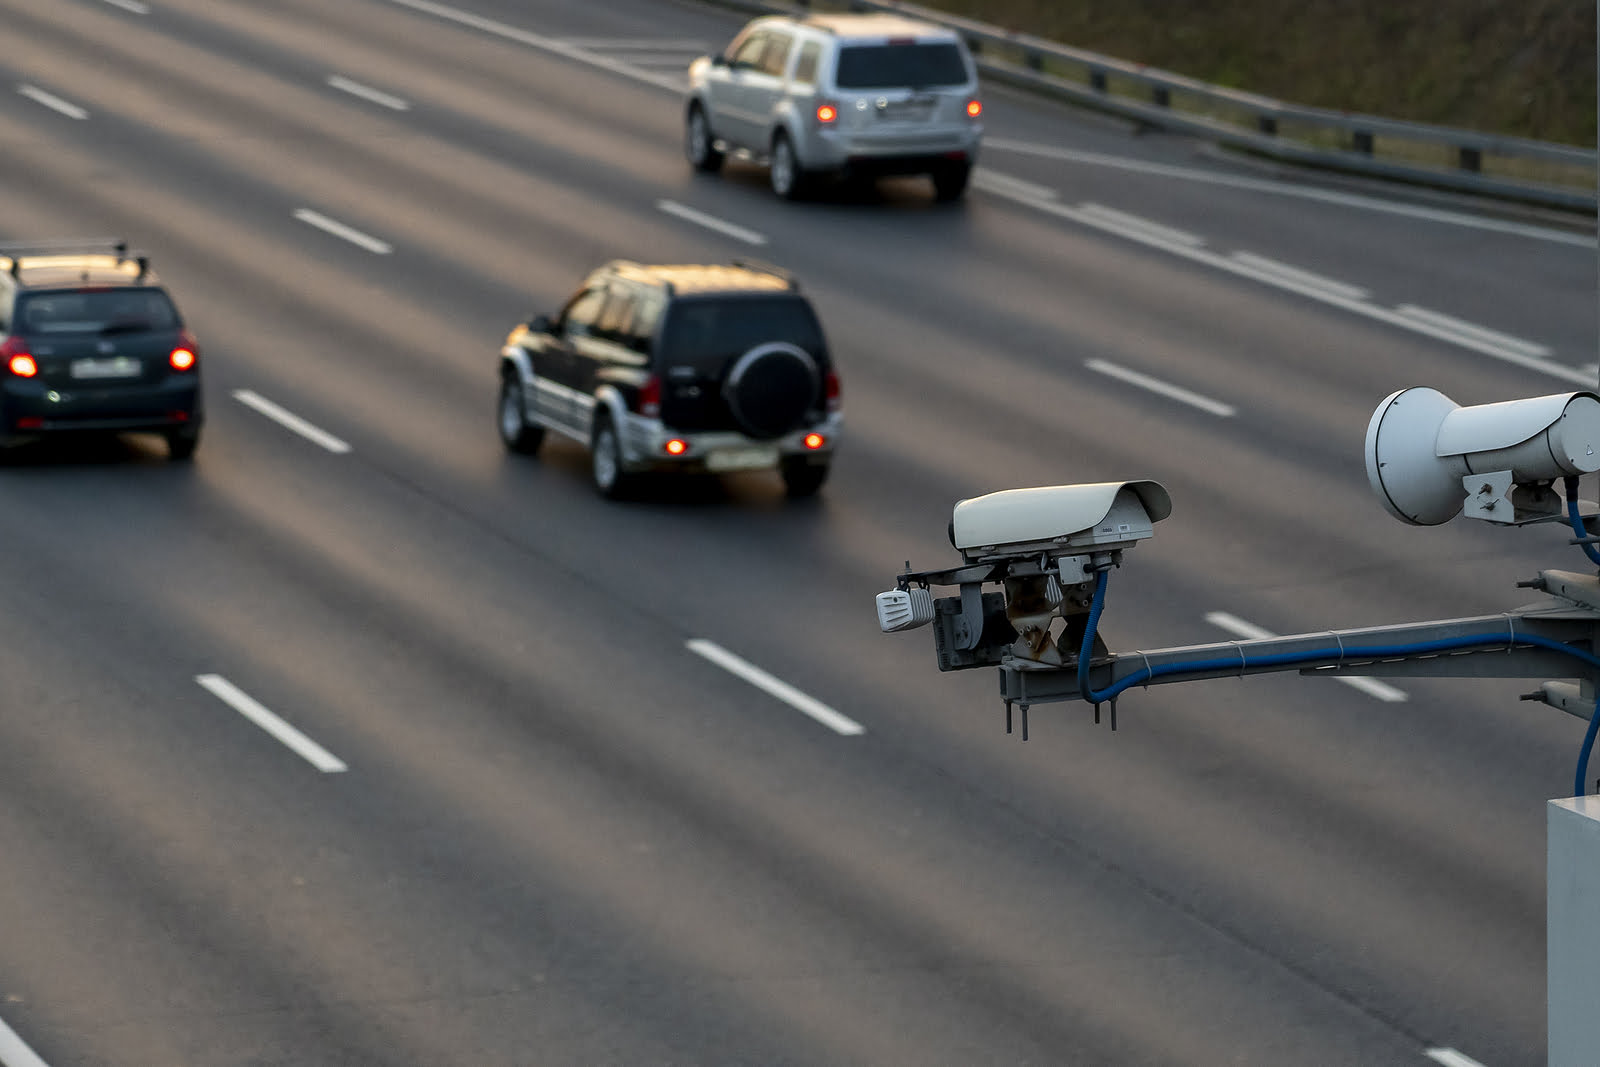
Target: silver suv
<point>851,95</point>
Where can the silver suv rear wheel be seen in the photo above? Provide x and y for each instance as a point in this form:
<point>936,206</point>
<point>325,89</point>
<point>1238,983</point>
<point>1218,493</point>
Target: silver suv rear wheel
<point>789,179</point>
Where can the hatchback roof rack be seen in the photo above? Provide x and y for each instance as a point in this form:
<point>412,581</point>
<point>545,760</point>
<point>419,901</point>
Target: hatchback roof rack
<point>65,246</point>
<point>16,251</point>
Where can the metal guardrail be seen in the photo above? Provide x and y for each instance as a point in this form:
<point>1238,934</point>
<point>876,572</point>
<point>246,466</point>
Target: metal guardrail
<point>1511,168</point>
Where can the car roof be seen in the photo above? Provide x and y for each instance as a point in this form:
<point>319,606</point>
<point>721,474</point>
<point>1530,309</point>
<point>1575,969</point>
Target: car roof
<point>685,278</point>
<point>60,271</point>
<point>878,26</point>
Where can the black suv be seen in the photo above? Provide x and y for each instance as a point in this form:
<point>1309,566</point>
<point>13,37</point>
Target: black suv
<point>91,342</point>
<point>677,368</point>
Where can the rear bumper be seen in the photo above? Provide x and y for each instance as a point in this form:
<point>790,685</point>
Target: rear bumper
<point>29,409</point>
<point>915,152</point>
<point>644,443</point>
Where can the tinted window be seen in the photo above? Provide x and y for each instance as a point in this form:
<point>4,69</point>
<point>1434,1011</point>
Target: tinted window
<point>96,311</point>
<point>775,60</point>
<point>582,311</point>
<point>708,334</point>
<point>805,68</point>
<point>647,308</point>
<point>748,53</point>
<point>887,66</point>
<point>618,313</point>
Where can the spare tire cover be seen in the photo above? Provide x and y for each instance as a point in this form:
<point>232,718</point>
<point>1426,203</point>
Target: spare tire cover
<point>770,389</point>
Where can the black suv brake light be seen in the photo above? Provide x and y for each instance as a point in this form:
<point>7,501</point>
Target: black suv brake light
<point>649,399</point>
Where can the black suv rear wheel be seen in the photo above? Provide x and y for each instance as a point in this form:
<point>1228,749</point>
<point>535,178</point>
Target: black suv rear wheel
<point>802,477</point>
<point>605,461</point>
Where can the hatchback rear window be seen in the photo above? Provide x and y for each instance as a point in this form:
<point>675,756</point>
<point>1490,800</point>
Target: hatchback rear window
<point>95,311</point>
<point>706,334</point>
<point>889,66</point>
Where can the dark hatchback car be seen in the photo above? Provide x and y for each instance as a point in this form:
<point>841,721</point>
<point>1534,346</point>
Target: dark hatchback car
<point>704,368</point>
<point>90,342</point>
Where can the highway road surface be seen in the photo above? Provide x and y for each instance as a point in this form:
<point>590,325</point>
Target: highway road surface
<point>361,741</point>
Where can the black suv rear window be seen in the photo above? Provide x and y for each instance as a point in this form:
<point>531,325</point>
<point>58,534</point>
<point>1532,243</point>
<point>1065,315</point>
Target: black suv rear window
<point>706,334</point>
<point>95,311</point>
<point>889,66</point>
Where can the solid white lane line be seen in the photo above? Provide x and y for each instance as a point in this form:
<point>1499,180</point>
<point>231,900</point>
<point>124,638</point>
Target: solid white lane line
<point>339,229</point>
<point>290,421</point>
<point>1326,196</point>
<point>367,92</point>
<point>544,44</point>
<point>785,692</point>
<point>1303,277</point>
<point>1005,184</point>
<point>1166,389</point>
<point>711,222</point>
<point>131,5</point>
<point>14,1052</point>
<point>1359,307</point>
<point>240,701</point>
<point>1473,330</point>
<point>665,60</point>
<point>53,102</point>
<point>1138,224</point>
<point>1449,1057</point>
<point>645,44</point>
<point>1251,632</point>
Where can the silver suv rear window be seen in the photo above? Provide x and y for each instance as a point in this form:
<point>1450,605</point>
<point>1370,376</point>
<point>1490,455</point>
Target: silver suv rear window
<point>891,66</point>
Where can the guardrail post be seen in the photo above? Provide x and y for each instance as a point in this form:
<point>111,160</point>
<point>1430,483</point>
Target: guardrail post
<point>1471,159</point>
<point>1362,141</point>
<point>1162,96</point>
<point>1097,79</point>
<point>1267,124</point>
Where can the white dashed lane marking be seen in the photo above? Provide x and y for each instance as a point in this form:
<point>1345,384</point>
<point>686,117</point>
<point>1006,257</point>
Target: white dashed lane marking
<point>53,102</point>
<point>245,705</point>
<point>290,421</point>
<point>367,92</point>
<point>340,230</point>
<point>1161,388</point>
<point>839,724</point>
<point>711,222</point>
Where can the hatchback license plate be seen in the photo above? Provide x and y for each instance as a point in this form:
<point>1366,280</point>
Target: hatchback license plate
<point>119,367</point>
<point>740,459</point>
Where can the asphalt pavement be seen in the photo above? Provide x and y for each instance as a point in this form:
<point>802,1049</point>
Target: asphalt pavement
<point>362,741</point>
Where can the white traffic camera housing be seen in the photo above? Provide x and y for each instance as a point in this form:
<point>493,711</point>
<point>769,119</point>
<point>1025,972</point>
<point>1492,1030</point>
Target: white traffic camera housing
<point>1043,547</point>
<point>1429,459</point>
<point>1057,519</point>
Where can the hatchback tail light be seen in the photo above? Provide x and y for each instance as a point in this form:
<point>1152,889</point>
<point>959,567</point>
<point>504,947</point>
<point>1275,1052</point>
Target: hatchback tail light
<point>830,386</point>
<point>186,354</point>
<point>827,113</point>
<point>14,351</point>
<point>650,397</point>
<point>974,108</point>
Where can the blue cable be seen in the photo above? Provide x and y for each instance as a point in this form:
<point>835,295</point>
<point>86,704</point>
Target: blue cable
<point>1448,644</point>
<point>1576,520</point>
